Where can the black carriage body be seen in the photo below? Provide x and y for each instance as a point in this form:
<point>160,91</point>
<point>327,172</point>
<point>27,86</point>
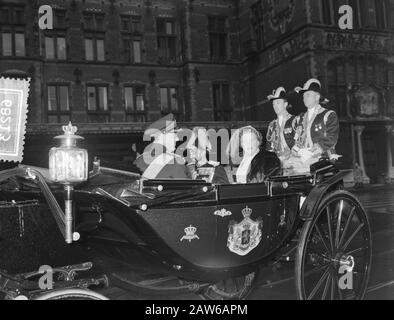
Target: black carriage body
<point>192,227</point>
<point>199,231</point>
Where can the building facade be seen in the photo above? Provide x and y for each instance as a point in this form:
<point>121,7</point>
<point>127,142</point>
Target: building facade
<point>112,66</point>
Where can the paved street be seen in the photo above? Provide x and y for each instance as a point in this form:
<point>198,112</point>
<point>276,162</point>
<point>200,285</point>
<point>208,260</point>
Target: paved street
<point>379,204</point>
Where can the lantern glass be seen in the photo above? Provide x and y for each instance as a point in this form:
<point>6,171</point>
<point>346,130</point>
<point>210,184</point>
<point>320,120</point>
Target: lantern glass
<point>68,165</point>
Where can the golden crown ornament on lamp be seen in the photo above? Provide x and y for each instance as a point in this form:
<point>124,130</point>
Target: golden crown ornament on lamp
<point>68,165</point>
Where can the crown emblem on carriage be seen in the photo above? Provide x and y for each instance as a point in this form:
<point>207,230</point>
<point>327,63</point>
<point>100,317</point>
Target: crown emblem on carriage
<point>247,212</point>
<point>190,234</point>
<point>223,213</point>
<point>190,231</point>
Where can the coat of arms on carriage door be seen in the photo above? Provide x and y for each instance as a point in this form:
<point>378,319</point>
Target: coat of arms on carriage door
<point>280,13</point>
<point>244,236</point>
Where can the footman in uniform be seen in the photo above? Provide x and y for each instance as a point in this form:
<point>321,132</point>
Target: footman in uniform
<point>159,160</point>
<point>281,132</point>
<point>318,129</point>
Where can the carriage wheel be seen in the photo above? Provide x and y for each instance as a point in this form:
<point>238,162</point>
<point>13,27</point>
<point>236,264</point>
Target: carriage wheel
<point>231,289</point>
<point>334,251</point>
<point>71,294</point>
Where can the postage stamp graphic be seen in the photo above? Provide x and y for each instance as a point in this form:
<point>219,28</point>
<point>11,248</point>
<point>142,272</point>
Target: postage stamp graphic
<point>13,117</point>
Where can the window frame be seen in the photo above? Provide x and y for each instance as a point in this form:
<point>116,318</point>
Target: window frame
<point>58,112</point>
<point>95,37</point>
<point>55,37</point>
<point>59,15</point>
<point>97,96</point>
<point>170,108</point>
<point>216,36</point>
<point>257,24</point>
<point>170,43</point>
<point>132,20</point>
<point>128,47</point>
<point>13,32</point>
<point>221,110</point>
<point>95,33</point>
<point>94,17</point>
<point>390,14</point>
<point>134,98</point>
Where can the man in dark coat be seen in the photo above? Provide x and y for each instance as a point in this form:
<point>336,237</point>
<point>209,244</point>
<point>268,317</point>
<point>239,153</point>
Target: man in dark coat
<point>159,160</point>
<point>318,130</point>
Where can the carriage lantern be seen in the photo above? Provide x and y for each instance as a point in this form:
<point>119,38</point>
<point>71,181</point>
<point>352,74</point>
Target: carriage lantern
<point>68,165</point>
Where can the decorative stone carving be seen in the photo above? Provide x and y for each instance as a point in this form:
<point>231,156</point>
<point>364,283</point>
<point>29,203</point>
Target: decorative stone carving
<point>280,13</point>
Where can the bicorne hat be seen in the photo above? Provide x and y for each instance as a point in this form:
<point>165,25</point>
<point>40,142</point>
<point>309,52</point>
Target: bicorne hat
<point>312,85</point>
<point>277,94</point>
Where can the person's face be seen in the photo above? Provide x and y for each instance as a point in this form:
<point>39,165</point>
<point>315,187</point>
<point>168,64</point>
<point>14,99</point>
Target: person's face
<point>311,99</point>
<point>280,106</point>
<point>169,140</point>
<point>249,142</point>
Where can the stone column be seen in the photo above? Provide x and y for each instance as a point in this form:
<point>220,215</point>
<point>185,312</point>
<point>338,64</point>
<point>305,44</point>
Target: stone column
<point>359,130</point>
<point>390,168</point>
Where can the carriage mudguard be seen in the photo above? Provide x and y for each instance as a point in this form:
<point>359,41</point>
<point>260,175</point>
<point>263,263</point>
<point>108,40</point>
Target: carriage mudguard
<point>316,195</point>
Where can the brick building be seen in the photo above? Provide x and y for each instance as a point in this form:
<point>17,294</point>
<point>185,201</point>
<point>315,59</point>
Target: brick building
<point>111,66</point>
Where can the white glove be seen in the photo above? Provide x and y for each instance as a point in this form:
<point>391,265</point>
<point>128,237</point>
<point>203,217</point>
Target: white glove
<point>335,157</point>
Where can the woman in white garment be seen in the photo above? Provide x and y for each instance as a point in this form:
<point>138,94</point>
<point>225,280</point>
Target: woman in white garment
<point>255,163</point>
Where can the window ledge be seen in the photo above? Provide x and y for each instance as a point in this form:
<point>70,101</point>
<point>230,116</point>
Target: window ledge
<point>136,112</point>
<point>98,112</point>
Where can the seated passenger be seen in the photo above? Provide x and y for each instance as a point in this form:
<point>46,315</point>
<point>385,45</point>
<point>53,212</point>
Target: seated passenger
<point>256,163</point>
<point>159,160</point>
<point>198,164</point>
<point>281,132</point>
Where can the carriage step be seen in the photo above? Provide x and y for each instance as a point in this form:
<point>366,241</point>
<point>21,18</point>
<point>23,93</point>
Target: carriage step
<point>153,286</point>
<point>156,281</point>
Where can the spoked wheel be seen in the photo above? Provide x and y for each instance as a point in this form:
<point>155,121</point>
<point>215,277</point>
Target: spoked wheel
<point>231,289</point>
<point>335,251</point>
<point>71,294</point>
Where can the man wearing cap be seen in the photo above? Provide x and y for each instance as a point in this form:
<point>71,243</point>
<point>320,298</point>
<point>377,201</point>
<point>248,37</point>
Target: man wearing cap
<point>159,160</point>
<point>281,132</point>
<point>318,130</point>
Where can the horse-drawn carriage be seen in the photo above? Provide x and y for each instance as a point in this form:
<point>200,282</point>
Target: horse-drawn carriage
<point>214,238</point>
